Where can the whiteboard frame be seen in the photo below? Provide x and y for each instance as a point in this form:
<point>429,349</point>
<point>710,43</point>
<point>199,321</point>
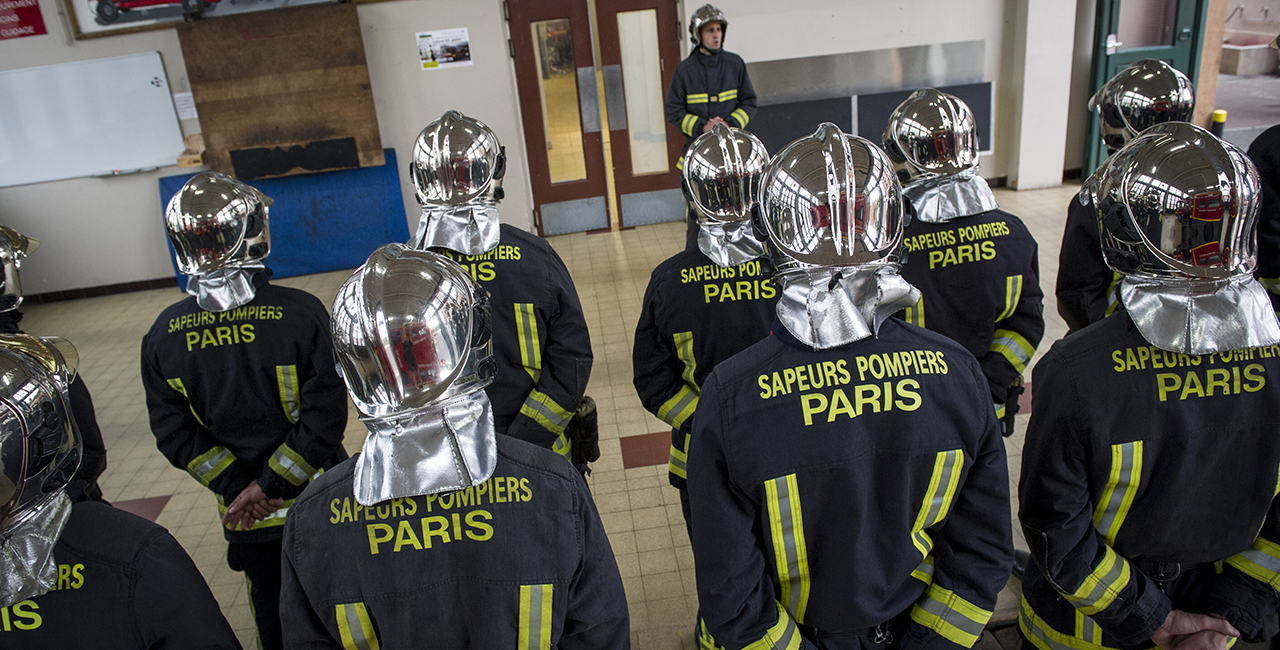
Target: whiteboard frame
<point>87,118</point>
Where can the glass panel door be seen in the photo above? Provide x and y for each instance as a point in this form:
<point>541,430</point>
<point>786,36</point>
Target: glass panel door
<point>558,95</point>
<point>642,86</point>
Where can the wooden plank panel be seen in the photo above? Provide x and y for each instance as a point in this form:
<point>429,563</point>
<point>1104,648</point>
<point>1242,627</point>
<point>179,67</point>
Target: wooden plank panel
<point>281,79</point>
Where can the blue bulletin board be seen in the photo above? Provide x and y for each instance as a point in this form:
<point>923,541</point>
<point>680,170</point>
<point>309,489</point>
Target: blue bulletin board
<point>324,222</point>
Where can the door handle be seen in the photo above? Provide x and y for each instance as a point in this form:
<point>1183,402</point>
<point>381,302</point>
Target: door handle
<point>1113,43</point>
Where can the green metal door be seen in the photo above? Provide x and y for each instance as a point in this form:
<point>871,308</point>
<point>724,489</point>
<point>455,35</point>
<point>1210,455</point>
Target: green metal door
<point>1132,30</point>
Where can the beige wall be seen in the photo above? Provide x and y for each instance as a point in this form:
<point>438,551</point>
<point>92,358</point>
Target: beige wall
<point>99,231</point>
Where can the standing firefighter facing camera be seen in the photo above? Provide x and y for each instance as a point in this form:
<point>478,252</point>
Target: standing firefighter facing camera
<point>847,478</point>
<point>1142,95</point>
<point>440,528</point>
<point>76,573</point>
<point>709,87</point>
<point>541,345</point>
<point>1151,515</point>
<point>240,382</point>
<point>707,304</point>
<point>975,265</point>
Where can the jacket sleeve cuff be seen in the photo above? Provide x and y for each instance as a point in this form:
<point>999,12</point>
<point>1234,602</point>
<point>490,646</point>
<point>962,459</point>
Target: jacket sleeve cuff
<point>275,487</point>
<point>1238,604</point>
<point>1140,618</point>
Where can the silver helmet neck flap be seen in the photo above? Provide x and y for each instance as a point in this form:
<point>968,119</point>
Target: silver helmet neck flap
<point>1177,212</point>
<point>14,247</point>
<point>932,140</point>
<point>39,452</point>
<point>1147,93</point>
<point>457,171</point>
<point>832,209</point>
<point>218,228</point>
<point>721,178</point>
<point>412,336</point>
<point>707,14</point>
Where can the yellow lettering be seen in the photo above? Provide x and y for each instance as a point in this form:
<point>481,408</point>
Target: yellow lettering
<point>1254,372</point>
<point>840,406</point>
<point>406,537</point>
<point>1168,382</point>
<point>428,531</point>
<point>378,533</point>
<point>26,610</point>
<point>479,531</point>
<point>813,403</point>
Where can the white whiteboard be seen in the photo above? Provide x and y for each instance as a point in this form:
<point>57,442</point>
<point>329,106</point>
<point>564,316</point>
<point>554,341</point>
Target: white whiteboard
<point>86,118</point>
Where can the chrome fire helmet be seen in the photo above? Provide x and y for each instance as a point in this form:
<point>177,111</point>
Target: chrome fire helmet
<point>831,199</point>
<point>707,14</point>
<point>457,160</point>
<point>412,336</point>
<point>1177,203</point>
<point>39,443</point>
<point>722,173</point>
<point>14,247</point>
<point>1147,93</point>
<point>216,221</point>
<point>931,135</point>
<point>411,329</point>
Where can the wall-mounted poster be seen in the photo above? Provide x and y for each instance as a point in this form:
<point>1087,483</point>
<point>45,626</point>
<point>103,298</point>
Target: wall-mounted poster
<point>20,18</point>
<point>91,18</point>
<point>446,48</point>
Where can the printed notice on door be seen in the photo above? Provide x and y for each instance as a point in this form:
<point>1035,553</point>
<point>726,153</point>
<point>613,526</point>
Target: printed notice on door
<point>445,48</point>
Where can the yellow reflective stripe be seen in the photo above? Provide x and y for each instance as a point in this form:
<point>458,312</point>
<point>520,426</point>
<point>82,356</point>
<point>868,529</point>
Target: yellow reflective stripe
<point>946,613</point>
<point>1012,293</point>
<point>543,410</point>
<point>1261,562</point>
<point>696,98</point>
<point>678,463</point>
<point>527,333</point>
<point>563,446</point>
<point>1000,409</point>
<point>924,572</point>
<point>705,640</point>
<point>947,466</point>
<point>686,125</point>
<point>207,466</point>
<point>678,409</point>
<point>684,352</point>
<point>1113,300</point>
<point>915,313</point>
<point>1087,628</point>
<point>1122,485</point>
<point>790,551</point>
<point>726,95</point>
<point>355,627</point>
<point>1046,638</point>
<point>680,166</point>
<point>783,635</point>
<point>1015,348</point>
<point>176,384</point>
<point>270,521</point>
<point>535,617</point>
<point>291,465</point>
<point>287,380</point>
<point>741,116</point>
<point>1101,587</point>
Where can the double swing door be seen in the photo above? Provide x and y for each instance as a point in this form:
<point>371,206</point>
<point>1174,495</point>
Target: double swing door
<point>591,148</point>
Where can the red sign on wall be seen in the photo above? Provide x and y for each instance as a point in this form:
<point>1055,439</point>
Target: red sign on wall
<point>20,18</point>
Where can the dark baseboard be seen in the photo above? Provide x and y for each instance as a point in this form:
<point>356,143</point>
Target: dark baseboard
<point>1071,174</point>
<point>999,181</point>
<point>104,290</point>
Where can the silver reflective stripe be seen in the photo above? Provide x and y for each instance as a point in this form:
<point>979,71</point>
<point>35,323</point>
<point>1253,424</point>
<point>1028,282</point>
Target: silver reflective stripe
<point>288,379</point>
<point>795,572</point>
<point>1014,347</point>
<point>287,463</point>
<point>528,328</point>
<point>1123,483</point>
<point>352,614</point>
<point>1262,559</point>
<point>546,412</point>
<point>939,497</point>
<point>784,641</point>
<point>686,398</point>
<point>209,465</point>
<point>1105,583</point>
<point>951,616</point>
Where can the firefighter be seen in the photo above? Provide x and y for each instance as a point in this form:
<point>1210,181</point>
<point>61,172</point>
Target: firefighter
<point>976,266</point>
<point>15,247</point>
<point>705,305</point>
<point>1148,480</point>
<point>1146,93</point>
<point>1264,152</point>
<point>440,529</point>
<point>240,382</point>
<point>709,87</point>
<point>541,344</point>
<point>846,474</point>
<point>75,573</point>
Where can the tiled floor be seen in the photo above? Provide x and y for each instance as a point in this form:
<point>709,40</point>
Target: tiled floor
<point>641,512</point>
